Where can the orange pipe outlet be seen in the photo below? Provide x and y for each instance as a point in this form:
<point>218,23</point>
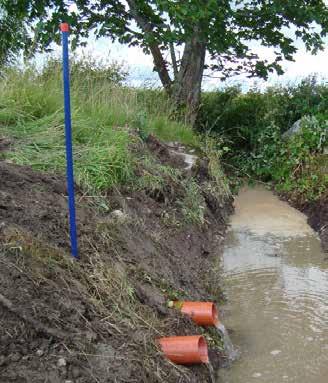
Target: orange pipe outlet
<point>185,349</point>
<point>202,313</point>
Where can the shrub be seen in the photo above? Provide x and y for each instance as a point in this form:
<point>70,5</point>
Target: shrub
<point>241,117</point>
<point>292,165</point>
<point>252,125</point>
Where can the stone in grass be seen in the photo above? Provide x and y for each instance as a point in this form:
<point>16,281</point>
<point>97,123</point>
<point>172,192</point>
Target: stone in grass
<point>61,362</point>
<point>40,352</point>
<point>119,216</point>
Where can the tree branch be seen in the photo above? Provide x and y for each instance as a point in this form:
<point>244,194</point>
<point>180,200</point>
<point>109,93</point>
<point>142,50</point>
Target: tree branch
<point>159,62</point>
<point>174,61</point>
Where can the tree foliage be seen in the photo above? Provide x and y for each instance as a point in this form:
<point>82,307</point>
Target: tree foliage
<point>225,29</point>
<point>13,37</point>
<point>226,26</point>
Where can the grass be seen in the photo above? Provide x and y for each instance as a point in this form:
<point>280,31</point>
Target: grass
<point>193,205</point>
<point>108,151</point>
<point>109,123</point>
<point>105,118</point>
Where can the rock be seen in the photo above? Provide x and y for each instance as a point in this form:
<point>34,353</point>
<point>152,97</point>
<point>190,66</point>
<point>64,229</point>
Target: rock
<point>118,215</point>
<point>295,129</point>
<point>61,362</point>
<point>39,352</point>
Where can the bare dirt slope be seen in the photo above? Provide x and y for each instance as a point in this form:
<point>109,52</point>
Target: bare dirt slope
<point>97,320</point>
<point>317,213</point>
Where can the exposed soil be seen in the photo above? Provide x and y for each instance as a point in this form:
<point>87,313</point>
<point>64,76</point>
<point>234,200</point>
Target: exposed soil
<point>317,213</point>
<point>97,319</point>
<point>4,145</point>
<point>164,154</point>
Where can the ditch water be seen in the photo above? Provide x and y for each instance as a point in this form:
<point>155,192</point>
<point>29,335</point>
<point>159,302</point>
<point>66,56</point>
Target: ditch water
<point>276,281</point>
<point>229,348</point>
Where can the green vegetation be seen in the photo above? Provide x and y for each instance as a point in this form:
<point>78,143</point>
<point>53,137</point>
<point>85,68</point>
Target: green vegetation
<point>110,122</point>
<point>105,113</point>
<point>193,204</point>
<point>250,128</point>
<point>158,202</point>
<point>13,37</point>
<point>223,30</point>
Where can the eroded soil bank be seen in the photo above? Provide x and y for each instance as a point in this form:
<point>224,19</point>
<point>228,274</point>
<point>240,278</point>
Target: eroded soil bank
<point>96,320</point>
<point>317,213</point>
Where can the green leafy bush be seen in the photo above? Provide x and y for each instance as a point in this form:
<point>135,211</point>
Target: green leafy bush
<point>293,165</point>
<point>241,117</point>
<point>251,125</point>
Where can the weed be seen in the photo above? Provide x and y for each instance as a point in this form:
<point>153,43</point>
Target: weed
<point>193,203</point>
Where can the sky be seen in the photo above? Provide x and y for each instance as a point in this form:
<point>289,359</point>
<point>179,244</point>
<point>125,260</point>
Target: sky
<point>140,65</point>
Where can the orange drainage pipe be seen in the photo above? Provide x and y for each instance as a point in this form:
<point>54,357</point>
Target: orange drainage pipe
<point>185,349</point>
<point>202,313</point>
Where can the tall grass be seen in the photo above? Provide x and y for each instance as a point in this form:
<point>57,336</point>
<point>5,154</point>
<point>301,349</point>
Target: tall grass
<point>104,113</point>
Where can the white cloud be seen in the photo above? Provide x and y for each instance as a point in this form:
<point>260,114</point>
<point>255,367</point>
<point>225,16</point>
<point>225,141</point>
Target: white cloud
<point>141,66</point>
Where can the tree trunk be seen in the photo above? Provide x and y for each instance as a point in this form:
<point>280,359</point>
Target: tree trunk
<point>160,67</point>
<point>187,87</point>
<point>160,64</point>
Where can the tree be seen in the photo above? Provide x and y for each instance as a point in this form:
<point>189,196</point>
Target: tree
<point>13,37</point>
<point>223,29</point>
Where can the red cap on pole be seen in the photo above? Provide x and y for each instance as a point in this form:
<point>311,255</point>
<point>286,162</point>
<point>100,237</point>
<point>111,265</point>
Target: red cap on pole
<point>64,27</point>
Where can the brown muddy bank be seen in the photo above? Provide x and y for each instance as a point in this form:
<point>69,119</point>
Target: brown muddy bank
<point>317,213</point>
<point>98,319</point>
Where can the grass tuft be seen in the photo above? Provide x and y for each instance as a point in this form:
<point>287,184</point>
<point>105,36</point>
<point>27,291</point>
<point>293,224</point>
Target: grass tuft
<point>104,112</point>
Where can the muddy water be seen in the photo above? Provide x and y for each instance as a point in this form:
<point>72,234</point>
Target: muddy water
<point>277,289</point>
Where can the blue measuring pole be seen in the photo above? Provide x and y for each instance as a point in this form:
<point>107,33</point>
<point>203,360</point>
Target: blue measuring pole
<point>64,27</point>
